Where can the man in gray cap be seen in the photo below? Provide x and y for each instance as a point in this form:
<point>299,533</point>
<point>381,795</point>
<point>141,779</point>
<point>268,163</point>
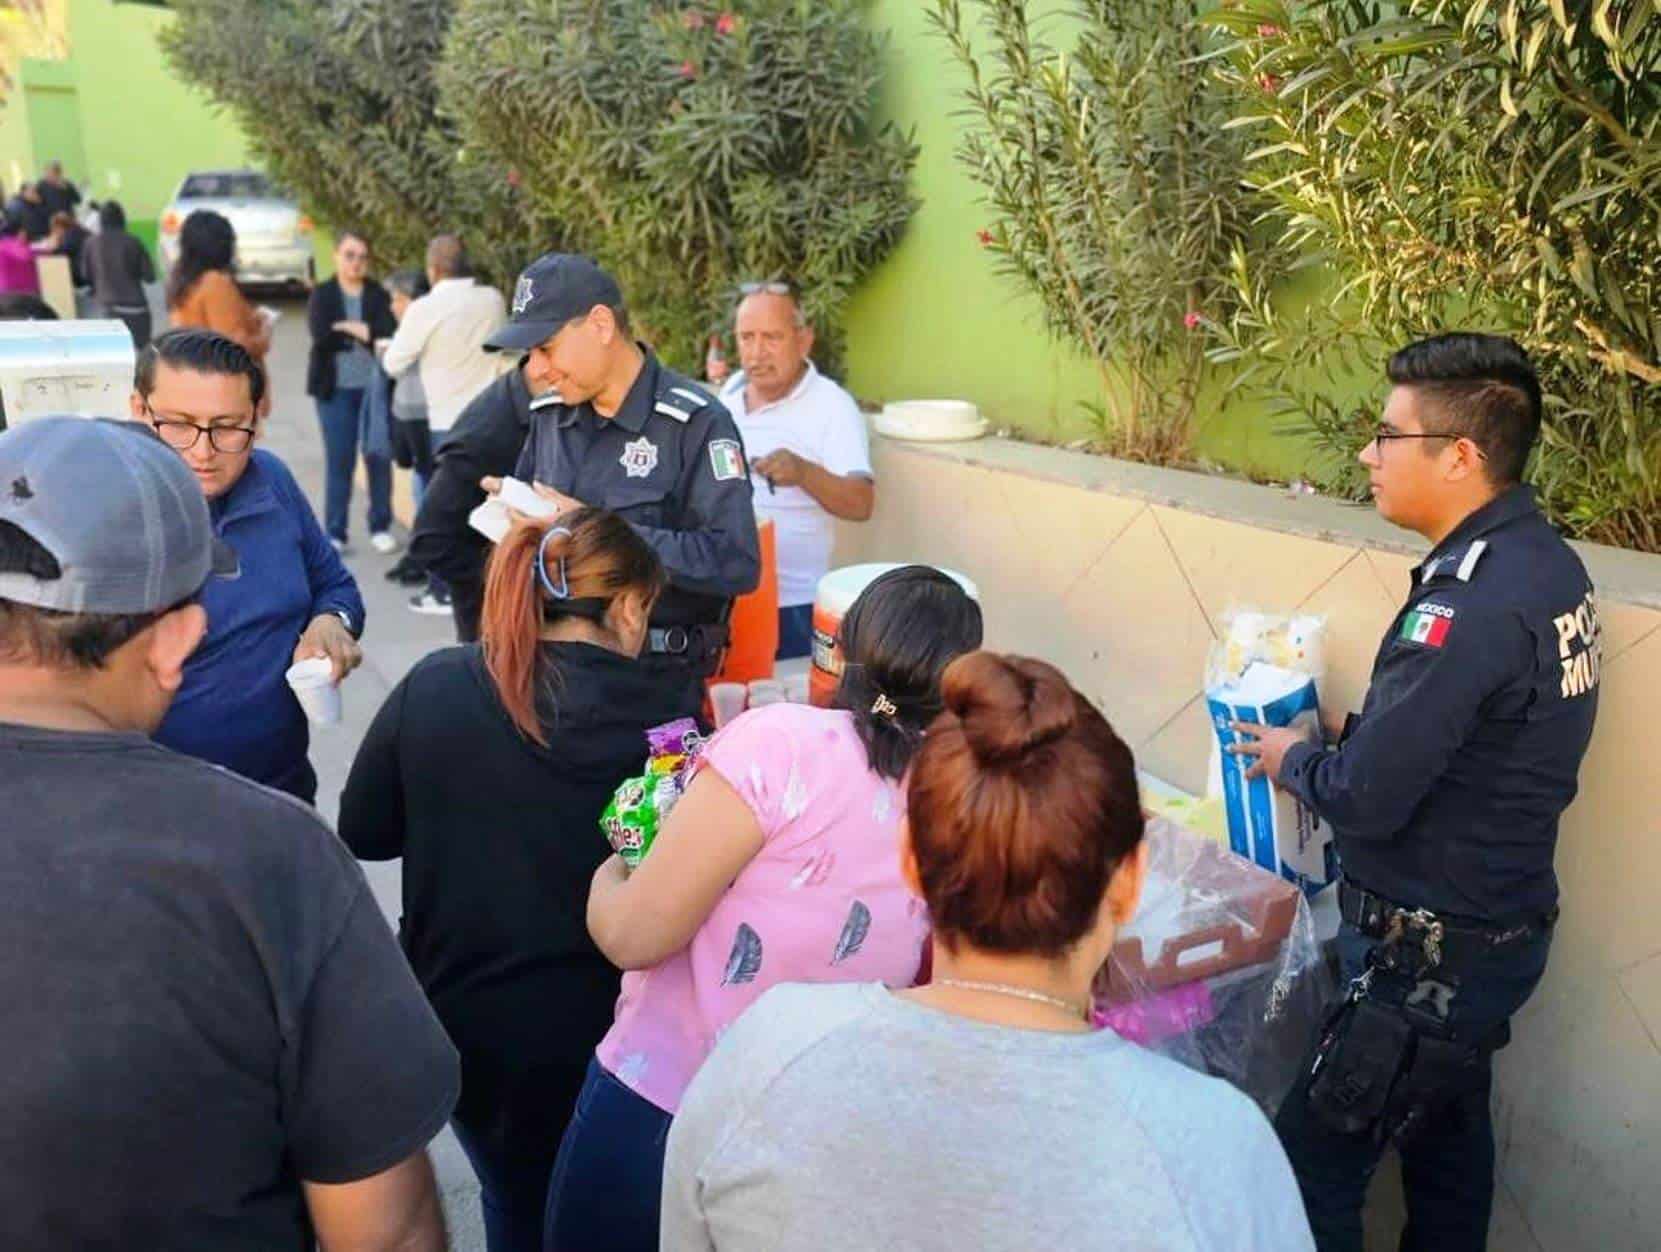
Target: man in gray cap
<point>211,1038</point>
<point>635,437</point>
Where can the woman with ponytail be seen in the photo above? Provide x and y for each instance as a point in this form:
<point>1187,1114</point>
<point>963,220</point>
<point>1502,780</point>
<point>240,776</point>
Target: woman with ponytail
<point>781,863</point>
<point>981,1111</point>
<point>486,771</point>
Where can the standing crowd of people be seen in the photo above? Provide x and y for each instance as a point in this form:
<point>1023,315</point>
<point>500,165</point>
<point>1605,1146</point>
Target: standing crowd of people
<point>845,1001</point>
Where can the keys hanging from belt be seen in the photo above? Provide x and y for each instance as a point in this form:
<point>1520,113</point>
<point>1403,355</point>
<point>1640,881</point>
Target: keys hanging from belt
<point>1420,928</point>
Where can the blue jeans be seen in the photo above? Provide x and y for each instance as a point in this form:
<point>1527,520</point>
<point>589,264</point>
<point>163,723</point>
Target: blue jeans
<point>339,417</point>
<point>1448,1168</point>
<point>795,631</point>
<point>607,1188</point>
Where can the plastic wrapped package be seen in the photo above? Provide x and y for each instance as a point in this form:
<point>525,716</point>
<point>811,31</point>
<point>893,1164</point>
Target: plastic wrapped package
<point>1267,669</point>
<point>1220,969</point>
<point>640,805</point>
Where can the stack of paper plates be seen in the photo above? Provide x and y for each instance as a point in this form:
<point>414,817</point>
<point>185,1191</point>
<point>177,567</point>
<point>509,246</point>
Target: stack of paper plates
<point>930,420</point>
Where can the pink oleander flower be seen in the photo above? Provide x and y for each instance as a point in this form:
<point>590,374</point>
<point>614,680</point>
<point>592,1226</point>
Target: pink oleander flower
<point>692,20</point>
<point>1269,82</point>
<point>1268,30</point>
<point>726,24</point>
<point>689,69</point>
<point>986,237</point>
<point>1192,319</point>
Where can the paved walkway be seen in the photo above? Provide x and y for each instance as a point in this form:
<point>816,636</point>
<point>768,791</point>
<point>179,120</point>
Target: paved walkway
<point>395,639</point>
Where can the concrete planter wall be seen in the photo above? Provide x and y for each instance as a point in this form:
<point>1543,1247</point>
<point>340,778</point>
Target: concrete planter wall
<point>1119,573</point>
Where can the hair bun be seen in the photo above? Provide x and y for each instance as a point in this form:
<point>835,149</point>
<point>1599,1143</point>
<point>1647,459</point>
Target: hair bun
<point>1008,706</point>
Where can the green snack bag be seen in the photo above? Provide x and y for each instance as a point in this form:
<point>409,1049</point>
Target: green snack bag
<point>630,821</point>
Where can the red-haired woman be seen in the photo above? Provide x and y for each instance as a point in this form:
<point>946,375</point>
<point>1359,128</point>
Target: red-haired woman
<point>486,771</point>
<point>981,1111</point>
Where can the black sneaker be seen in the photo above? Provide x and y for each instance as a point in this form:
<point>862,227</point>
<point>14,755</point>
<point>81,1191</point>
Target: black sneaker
<point>406,573</point>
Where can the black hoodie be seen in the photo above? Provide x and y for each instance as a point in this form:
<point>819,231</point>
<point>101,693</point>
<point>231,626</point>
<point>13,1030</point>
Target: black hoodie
<point>500,839</point>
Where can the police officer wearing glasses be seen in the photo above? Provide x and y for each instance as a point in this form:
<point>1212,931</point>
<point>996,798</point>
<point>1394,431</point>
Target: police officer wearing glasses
<point>1445,795</point>
<point>633,436</point>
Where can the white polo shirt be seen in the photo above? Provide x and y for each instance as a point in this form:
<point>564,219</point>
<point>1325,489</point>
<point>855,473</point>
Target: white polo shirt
<point>819,421</point>
<point>444,331</point>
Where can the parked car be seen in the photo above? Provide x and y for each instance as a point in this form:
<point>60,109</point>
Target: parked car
<point>273,238</point>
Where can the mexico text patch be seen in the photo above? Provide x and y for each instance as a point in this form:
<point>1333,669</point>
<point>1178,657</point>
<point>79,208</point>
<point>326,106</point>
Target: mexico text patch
<point>1427,625</point>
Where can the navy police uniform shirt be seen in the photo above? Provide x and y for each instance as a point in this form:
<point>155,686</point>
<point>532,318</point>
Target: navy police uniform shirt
<point>1446,792</point>
<point>671,463</point>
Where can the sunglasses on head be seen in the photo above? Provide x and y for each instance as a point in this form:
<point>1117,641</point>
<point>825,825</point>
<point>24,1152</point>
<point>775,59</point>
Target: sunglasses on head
<point>775,288</point>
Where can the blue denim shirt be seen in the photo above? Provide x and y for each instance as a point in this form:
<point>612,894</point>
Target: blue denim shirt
<point>235,707</point>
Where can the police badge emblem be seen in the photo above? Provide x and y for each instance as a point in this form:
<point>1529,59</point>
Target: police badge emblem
<point>639,458</point>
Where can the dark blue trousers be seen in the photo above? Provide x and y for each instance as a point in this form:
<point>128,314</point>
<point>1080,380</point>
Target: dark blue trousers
<point>607,1188</point>
<point>1448,1168</point>
<point>340,418</point>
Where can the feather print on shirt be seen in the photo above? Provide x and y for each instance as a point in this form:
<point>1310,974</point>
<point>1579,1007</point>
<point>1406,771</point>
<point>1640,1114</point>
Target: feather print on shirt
<point>814,870</point>
<point>744,961</point>
<point>854,931</point>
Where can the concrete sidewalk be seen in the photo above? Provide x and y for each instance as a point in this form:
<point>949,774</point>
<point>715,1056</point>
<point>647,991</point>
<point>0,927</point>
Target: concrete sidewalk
<point>394,640</point>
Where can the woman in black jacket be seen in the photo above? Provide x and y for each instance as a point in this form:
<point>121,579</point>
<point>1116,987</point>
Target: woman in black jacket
<point>118,266</point>
<point>487,770</point>
<point>346,315</point>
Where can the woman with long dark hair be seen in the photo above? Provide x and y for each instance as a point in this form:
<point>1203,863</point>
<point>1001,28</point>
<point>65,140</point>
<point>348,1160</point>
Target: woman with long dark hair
<point>202,290</point>
<point>981,1111</point>
<point>780,864</point>
<point>487,770</point>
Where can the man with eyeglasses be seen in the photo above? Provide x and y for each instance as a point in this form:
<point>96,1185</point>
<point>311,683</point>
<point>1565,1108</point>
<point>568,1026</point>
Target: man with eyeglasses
<point>1444,795</point>
<point>295,599</point>
<point>811,458</point>
<point>211,1039</point>
<point>629,434</point>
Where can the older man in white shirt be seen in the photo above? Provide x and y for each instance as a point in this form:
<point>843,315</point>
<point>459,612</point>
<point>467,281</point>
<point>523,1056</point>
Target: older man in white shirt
<point>810,460</point>
<point>443,335</point>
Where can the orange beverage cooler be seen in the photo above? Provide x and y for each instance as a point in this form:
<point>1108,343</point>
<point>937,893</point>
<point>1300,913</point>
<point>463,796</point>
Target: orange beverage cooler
<point>755,621</point>
<point>836,595</point>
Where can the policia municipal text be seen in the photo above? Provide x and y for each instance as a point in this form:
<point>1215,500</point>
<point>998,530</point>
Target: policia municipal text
<point>1444,795</point>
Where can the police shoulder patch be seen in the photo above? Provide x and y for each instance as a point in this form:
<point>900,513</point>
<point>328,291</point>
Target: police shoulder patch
<point>1428,624</point>
<point>726,458</point>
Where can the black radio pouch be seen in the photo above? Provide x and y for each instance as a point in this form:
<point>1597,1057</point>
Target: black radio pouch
<point>1362,1053</point>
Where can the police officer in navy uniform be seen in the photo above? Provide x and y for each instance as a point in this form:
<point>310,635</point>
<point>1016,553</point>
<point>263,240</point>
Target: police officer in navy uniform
<point>631,435</point>
<point>1444,797</point>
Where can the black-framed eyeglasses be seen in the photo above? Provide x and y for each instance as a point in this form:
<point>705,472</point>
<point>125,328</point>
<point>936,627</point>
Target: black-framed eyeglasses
<point>182,436</point>
<point>1383,434</point>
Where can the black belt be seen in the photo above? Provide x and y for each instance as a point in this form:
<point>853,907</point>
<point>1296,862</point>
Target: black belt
<point>694,643</point>
<point>1451,941</point>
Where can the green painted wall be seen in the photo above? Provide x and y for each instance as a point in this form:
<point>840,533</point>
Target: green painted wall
<point>936,320</point>
<point>144,129</point>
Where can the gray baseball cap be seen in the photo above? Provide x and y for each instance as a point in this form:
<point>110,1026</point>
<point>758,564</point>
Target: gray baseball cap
<point>118,510</point>
<point>556,288</point>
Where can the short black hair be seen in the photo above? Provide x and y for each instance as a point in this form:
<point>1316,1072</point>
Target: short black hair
<point>897,640</point>
<point>111,216</point>
<point>24,306</point>
<point>36,636</point>
<point>1480,386</point>
<point>619,314</point>
<point>201,351</point>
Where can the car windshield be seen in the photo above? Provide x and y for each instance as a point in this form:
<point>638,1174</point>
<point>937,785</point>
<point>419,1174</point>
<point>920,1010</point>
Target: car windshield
<point>244,186</point>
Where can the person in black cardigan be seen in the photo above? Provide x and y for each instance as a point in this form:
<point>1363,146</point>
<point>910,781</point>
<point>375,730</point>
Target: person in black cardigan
<point>487,771</point>
<point>346,316</point>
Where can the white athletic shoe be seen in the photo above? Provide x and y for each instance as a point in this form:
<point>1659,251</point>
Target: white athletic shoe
<point>431,603</point>
<point>383,542</point>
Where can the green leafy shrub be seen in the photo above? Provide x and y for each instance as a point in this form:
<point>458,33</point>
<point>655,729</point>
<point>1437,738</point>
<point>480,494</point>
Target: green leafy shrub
<point>690,147</point>
<point>339,102</point>
<point>1464,163</point>
<point>1113,186</point>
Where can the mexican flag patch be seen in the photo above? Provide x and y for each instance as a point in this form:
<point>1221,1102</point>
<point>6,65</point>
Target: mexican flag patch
<point>1427,625</point>
<point>726,459</point>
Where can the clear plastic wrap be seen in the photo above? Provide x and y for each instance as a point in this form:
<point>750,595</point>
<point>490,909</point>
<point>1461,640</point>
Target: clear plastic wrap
<point>1220,969</point>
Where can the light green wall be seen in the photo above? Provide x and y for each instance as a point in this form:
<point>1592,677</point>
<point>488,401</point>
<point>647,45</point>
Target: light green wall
<point>144,129</point>
<point>936,320</point>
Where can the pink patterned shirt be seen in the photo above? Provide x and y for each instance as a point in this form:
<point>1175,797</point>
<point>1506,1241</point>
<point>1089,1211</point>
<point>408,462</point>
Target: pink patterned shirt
<point>823,901</point>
